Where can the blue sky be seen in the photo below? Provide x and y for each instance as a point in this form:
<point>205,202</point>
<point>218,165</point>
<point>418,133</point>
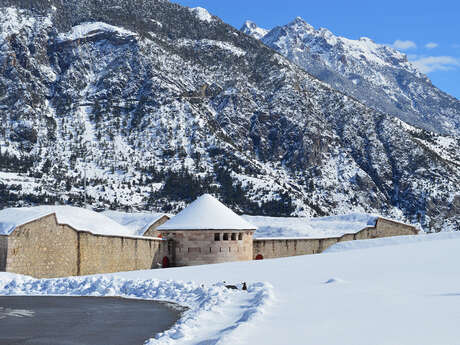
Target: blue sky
<point>427,31</point>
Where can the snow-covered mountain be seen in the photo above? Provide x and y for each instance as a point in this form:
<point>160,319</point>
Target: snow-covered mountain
<point>377,75</point>
<point>148,104</point>
<point>251,29</point>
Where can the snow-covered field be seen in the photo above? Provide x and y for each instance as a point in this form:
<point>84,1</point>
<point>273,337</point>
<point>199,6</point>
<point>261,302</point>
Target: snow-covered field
<point>387,291</point>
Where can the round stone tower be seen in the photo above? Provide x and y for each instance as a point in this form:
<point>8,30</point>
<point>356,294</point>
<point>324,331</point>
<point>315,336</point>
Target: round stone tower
<point>207,232</point>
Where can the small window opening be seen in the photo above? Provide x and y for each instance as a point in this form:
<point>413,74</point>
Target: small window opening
<point>240,236</point>
<point>216,237</point>
<point>233,236</point>
<point>225,236</point>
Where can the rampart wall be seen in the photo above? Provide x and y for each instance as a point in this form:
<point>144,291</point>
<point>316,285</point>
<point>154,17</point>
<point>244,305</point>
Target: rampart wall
<point>45,249</point>
<point>267,248</point>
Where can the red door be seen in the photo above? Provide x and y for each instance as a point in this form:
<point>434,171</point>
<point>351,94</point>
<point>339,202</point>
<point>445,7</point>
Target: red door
<point>165,263</point>
<point>259,257</point>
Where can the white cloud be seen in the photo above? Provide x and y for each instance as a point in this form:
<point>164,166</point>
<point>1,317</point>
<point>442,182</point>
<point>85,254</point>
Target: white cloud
<point>404,45</point>
<point>431,45</point>
<point>427,64</point>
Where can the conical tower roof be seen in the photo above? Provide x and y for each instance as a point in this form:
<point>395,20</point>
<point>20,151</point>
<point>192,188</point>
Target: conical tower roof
<point>206,213</point>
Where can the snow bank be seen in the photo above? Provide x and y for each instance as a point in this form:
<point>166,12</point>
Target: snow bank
<point>214,311</point>
<point>320,227</point>
<point>89,29</point>
<point>391,241</point>
<point>136,223</point>
<point>206,212</point>
<point>78,218</point>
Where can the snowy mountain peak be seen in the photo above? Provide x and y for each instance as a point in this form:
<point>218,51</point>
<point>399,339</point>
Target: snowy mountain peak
<point>377,75</point>
<point>251,29</point>
<point>299,22</point>
<point>366,39</point>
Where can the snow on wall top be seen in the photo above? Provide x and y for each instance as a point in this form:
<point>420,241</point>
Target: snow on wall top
<point>78,218</point>
<point>136,223</point>
<point>321,227</point>
<point>207,213</point>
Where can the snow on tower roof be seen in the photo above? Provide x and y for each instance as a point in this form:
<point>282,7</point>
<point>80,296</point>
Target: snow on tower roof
<point>206,213</point>
<point>79,218</point>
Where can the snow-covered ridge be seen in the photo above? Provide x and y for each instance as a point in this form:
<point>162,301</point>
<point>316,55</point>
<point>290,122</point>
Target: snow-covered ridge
<point>251,29</point>
<point>303,33</point>
<point>12,21</point>
<point>321,227</point>
<point>365,70</point>
<point>90,29</point>
<point>214,311</point>
<point>204,43</point>
<point>202,14</point>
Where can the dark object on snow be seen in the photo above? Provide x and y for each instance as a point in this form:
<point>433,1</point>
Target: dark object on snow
<point>244,288</point>
<point>231,287</point>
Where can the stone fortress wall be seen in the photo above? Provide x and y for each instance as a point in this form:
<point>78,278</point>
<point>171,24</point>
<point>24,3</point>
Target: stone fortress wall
<point>43,248</point>
<point>267,248</point>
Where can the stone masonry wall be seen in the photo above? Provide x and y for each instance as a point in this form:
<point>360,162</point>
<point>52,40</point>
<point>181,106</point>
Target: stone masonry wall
<point>198,247</point>
<point>107,254</point>
<point>277,248</point>
<point>43,248</point>
<point>386,228</point>
<point>3,252</point>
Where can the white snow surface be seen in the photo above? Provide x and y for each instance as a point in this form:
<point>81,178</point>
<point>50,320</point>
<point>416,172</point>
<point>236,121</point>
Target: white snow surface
<point>91,28</point>
<point>206,213</point>
<point>78,218</point>
<point>202,14</point>
<point>406,293</point>
<point>320,227</point>
<point>136,223</point>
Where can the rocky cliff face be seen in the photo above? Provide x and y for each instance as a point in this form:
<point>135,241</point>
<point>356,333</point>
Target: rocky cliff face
<point>377,75</point>
<point>148,104</point>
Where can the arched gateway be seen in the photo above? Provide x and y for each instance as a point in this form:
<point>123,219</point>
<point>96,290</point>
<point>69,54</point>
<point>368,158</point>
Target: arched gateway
<point>208,232</point>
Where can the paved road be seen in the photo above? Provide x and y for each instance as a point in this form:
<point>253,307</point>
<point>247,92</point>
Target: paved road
<point>81,320</point>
